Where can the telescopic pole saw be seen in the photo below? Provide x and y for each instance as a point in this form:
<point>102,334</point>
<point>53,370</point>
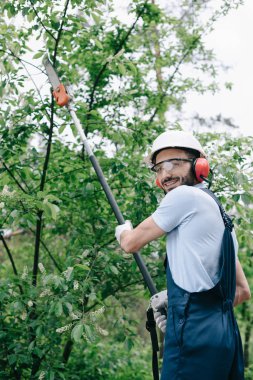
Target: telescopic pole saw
<point>63,99</point>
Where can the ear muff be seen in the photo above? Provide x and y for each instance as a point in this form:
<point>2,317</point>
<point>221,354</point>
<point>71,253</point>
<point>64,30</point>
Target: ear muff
<point>201,168</point>
<point>157,182</point>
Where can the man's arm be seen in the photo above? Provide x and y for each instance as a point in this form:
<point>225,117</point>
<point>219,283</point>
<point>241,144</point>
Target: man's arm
<point>242,287</point>
<point>132,241</point>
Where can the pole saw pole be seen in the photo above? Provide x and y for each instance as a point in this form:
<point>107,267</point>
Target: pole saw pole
<point>110,197</point>
<point>63,99</point>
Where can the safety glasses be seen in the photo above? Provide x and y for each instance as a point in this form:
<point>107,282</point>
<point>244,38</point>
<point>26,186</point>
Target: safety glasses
<point>170,164</point>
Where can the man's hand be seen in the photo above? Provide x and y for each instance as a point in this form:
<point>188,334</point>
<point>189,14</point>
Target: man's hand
<point>121,228</point>
<point>158,302</point>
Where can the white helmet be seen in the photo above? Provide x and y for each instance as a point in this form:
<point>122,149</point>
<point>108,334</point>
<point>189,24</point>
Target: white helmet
<point>174,139</point>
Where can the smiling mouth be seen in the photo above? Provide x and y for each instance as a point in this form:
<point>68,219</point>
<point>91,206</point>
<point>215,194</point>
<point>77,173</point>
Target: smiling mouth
<point>169,182</point>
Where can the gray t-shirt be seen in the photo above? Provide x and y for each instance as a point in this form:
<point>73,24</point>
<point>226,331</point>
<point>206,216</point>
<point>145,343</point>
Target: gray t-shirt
<point>194,229</point>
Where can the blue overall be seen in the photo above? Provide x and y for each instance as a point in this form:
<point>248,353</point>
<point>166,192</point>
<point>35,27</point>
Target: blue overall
<point>202,340</point>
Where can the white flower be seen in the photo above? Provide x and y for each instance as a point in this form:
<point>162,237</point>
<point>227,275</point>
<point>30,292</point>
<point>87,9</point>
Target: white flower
<point>46,292</point>
<point>2,205</point>
<point>64,328</point>
<point>30,303</point>
<point>76,285</point>
<point>67,273</point>
<point>42,375</point>
<point>85,253</point>
<point>6,191</point>
<point>74,316</point>
<point>42,268</point>
<point>25,273</point>
<point>95,314</point>
<point>102,331</point>
<point>23,315</point>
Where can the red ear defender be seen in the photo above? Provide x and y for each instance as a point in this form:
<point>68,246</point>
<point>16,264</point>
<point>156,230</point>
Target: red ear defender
<point>201,168</point>
<point>157,182</point>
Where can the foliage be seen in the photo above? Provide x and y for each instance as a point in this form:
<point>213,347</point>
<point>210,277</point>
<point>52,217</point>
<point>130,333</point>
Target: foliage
<point>124,77</point>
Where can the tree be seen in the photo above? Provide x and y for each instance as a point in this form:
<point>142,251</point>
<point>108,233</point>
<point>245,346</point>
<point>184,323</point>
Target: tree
<point>66,265</point>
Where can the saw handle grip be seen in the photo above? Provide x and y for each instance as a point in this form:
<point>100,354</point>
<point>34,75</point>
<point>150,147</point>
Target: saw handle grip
<point>61,96</point>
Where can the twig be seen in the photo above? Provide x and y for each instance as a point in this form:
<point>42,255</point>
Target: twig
<point>13,177</point>
<point>38,91</point>
<point>170,81</point>
<point>22,60</point>
<point>97,79</point>
<point>11,260</point>
<point>43,25</point>
<point>51,256</point>
<point>57,40</point>
<point>9,255</point>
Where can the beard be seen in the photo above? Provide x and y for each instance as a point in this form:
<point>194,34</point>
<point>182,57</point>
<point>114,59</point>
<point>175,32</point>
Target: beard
<point>171,182</point>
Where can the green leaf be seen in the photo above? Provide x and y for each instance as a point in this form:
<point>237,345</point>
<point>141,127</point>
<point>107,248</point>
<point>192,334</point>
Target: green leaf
<point>98,43</point>
<point>12,359</point>
<point>88,333</point>
<point>30,16</point>
<point>82,267</point>
<point>58,309</point>
<point>31,346</point>
<point>39,331</point>
<point>96,18</point>
<point>51,209</point>
<point>129,343</point>
<point>77,332</point>
<point>38,55</point>
<point>132,67</point>
<point>62,128</point>
<point>122,69</point>
<point>51,197</point>
<point>114,269</point>
<point>246,198</point>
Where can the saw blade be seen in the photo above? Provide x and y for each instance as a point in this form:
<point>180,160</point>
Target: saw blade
<point>51,73</point>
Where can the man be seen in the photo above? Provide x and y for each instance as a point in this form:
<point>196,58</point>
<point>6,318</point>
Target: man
<point>202,340</point>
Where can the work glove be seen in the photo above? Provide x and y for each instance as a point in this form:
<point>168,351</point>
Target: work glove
<point>127,226</point>
<point>158,302</point>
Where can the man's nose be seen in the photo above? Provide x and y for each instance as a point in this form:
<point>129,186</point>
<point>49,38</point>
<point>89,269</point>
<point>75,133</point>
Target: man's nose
<point>165,170</point>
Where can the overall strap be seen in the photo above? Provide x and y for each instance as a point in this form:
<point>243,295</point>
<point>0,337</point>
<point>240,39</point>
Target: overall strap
<point>228,278</point>
<point>226,219</point>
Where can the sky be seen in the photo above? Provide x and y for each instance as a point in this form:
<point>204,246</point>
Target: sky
<point>232,42</point>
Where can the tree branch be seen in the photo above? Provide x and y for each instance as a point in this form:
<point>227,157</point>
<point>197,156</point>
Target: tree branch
<point>188,51</point>
<point>51,256</point>
<point>13,177</point>
<point>9,255</point>
<point>22,60</point>
<point>46,162</point>
<point>43,25</point>
<point>57,40</point>
<point>97,79</point>
<point>11,260</point>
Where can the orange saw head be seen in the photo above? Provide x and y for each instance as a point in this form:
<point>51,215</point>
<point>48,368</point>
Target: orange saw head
<point>61,96</point>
